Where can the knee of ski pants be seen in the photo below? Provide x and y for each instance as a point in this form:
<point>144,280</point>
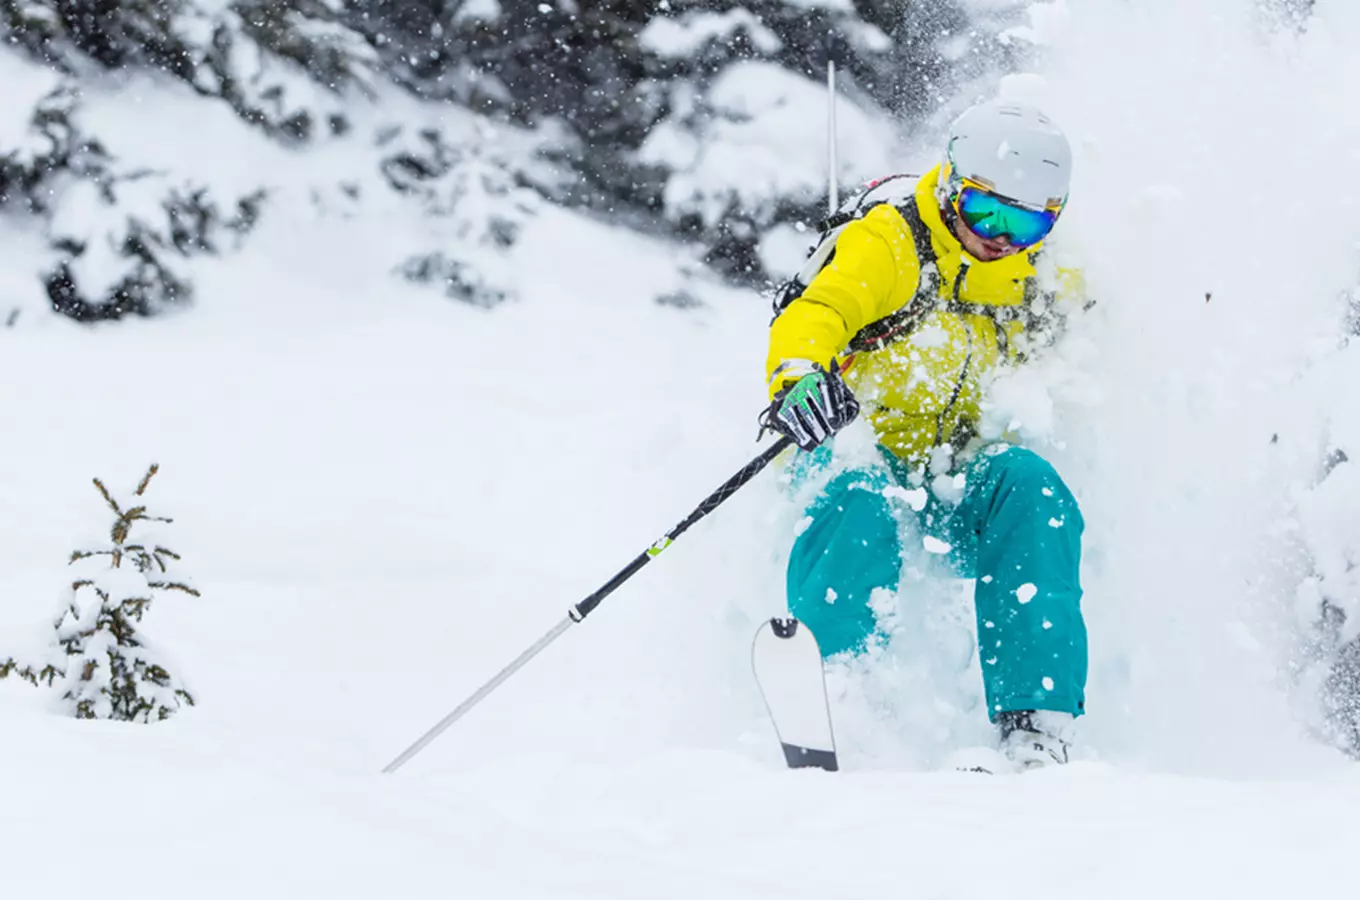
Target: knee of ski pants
<point>1001,473</point>
<point>850,547</point>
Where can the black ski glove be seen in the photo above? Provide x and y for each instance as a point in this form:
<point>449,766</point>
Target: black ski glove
<point>813,408</point>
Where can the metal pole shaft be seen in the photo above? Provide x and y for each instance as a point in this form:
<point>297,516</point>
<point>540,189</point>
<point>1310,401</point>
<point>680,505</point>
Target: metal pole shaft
<point>833,184</point>
<point>710,503</point>
<point>476,698</point>
<point>586,606</point>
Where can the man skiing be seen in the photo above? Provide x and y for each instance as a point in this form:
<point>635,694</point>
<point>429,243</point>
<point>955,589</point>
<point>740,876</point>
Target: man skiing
<point>917,307</point>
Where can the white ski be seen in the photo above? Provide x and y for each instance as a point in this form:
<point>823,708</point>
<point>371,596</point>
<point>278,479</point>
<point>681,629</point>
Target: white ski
<point>788,667</point>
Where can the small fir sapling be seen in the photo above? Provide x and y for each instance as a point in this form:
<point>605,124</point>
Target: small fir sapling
<point>105,669</point>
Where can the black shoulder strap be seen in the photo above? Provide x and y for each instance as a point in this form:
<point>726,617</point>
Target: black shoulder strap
<point>925,249</point>
<point>880,333</point>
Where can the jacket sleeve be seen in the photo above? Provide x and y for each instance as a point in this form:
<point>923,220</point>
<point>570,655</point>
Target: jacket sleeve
<point>856,288</point>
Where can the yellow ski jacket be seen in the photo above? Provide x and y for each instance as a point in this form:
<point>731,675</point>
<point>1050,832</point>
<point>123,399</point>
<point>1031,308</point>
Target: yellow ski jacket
<point>922,387</point>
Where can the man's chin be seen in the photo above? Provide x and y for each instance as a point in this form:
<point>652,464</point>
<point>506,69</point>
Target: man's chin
<point>988,254</point>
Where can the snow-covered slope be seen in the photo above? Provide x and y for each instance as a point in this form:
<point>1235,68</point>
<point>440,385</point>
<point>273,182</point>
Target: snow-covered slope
<point>384,496</point>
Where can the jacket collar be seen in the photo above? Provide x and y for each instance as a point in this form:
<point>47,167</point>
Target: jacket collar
<point>928,205</point>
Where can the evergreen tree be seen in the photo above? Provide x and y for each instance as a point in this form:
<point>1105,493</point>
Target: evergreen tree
<point>476,206</point>
<point>123,233</point>
<point>615,71</point>
<point>104,666</point>
<point>643,111</point>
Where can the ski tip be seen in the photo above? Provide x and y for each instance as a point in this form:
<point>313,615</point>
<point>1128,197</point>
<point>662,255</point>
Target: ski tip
<point>807,758</point>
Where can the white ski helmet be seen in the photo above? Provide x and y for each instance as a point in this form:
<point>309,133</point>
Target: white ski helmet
<point>1011,149</point>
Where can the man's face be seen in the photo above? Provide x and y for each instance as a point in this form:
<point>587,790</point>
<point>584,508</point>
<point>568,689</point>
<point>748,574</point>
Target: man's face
<point>980,248</point>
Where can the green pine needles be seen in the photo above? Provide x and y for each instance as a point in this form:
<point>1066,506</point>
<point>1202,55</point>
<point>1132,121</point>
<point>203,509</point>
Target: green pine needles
<point>103,667</point>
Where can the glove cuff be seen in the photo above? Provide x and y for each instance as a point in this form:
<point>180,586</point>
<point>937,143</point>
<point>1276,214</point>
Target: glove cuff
<point>789,371</point>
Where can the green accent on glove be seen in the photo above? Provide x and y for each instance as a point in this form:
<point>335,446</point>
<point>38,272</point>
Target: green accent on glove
<point>804,393</point>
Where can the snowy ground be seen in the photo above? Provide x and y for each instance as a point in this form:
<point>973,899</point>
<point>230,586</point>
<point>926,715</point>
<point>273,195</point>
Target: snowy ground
<point>384,496</point>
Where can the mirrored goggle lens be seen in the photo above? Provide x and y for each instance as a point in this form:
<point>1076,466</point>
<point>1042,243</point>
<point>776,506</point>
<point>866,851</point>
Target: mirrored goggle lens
<point>991,216</point>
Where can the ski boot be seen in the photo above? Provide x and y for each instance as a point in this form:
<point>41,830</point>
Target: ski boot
<point>1032,739</point>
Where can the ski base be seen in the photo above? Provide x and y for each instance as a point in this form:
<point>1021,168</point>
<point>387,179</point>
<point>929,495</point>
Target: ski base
<point>788,668</point>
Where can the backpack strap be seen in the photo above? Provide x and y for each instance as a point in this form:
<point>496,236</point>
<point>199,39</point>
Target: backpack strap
<point>927,298</point>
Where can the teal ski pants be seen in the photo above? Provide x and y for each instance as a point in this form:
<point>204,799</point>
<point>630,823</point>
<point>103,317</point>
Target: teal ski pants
<point>1015,527</point>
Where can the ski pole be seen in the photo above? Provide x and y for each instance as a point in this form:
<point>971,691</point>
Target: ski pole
<point>578,612</point>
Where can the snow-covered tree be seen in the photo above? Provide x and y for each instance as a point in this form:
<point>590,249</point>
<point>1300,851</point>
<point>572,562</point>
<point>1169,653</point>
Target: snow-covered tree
<point>701,118</point>
<point>271,61</point>
<point>120,232</point>
<point>101,663</point>
<point>476,207</point>
<point>708,115</point>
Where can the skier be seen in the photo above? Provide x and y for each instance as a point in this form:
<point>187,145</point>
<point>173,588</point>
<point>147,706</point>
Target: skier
<point>918,305</point>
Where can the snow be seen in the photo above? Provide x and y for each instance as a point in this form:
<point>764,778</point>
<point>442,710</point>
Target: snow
<point>385,495</point>
<point>867,37</point>
<point>85,217</point>
<point>915,498</point>
<point>680,824</point>
<point>784,248</point>
<point>671,144</point>
<point>25,85</point>
<point>1047,23</point>
<point>935,545</point>
<point>1170,446</point>
<point>685,37</point>
<point>479,10</point>
<point>767,141</point>
<point>839,6</point>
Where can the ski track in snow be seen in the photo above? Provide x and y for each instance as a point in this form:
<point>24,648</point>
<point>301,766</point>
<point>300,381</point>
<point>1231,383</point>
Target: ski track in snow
<point>384,496</point>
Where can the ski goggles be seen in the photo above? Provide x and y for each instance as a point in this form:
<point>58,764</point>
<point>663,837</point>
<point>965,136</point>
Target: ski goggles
<point>990,215</point>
